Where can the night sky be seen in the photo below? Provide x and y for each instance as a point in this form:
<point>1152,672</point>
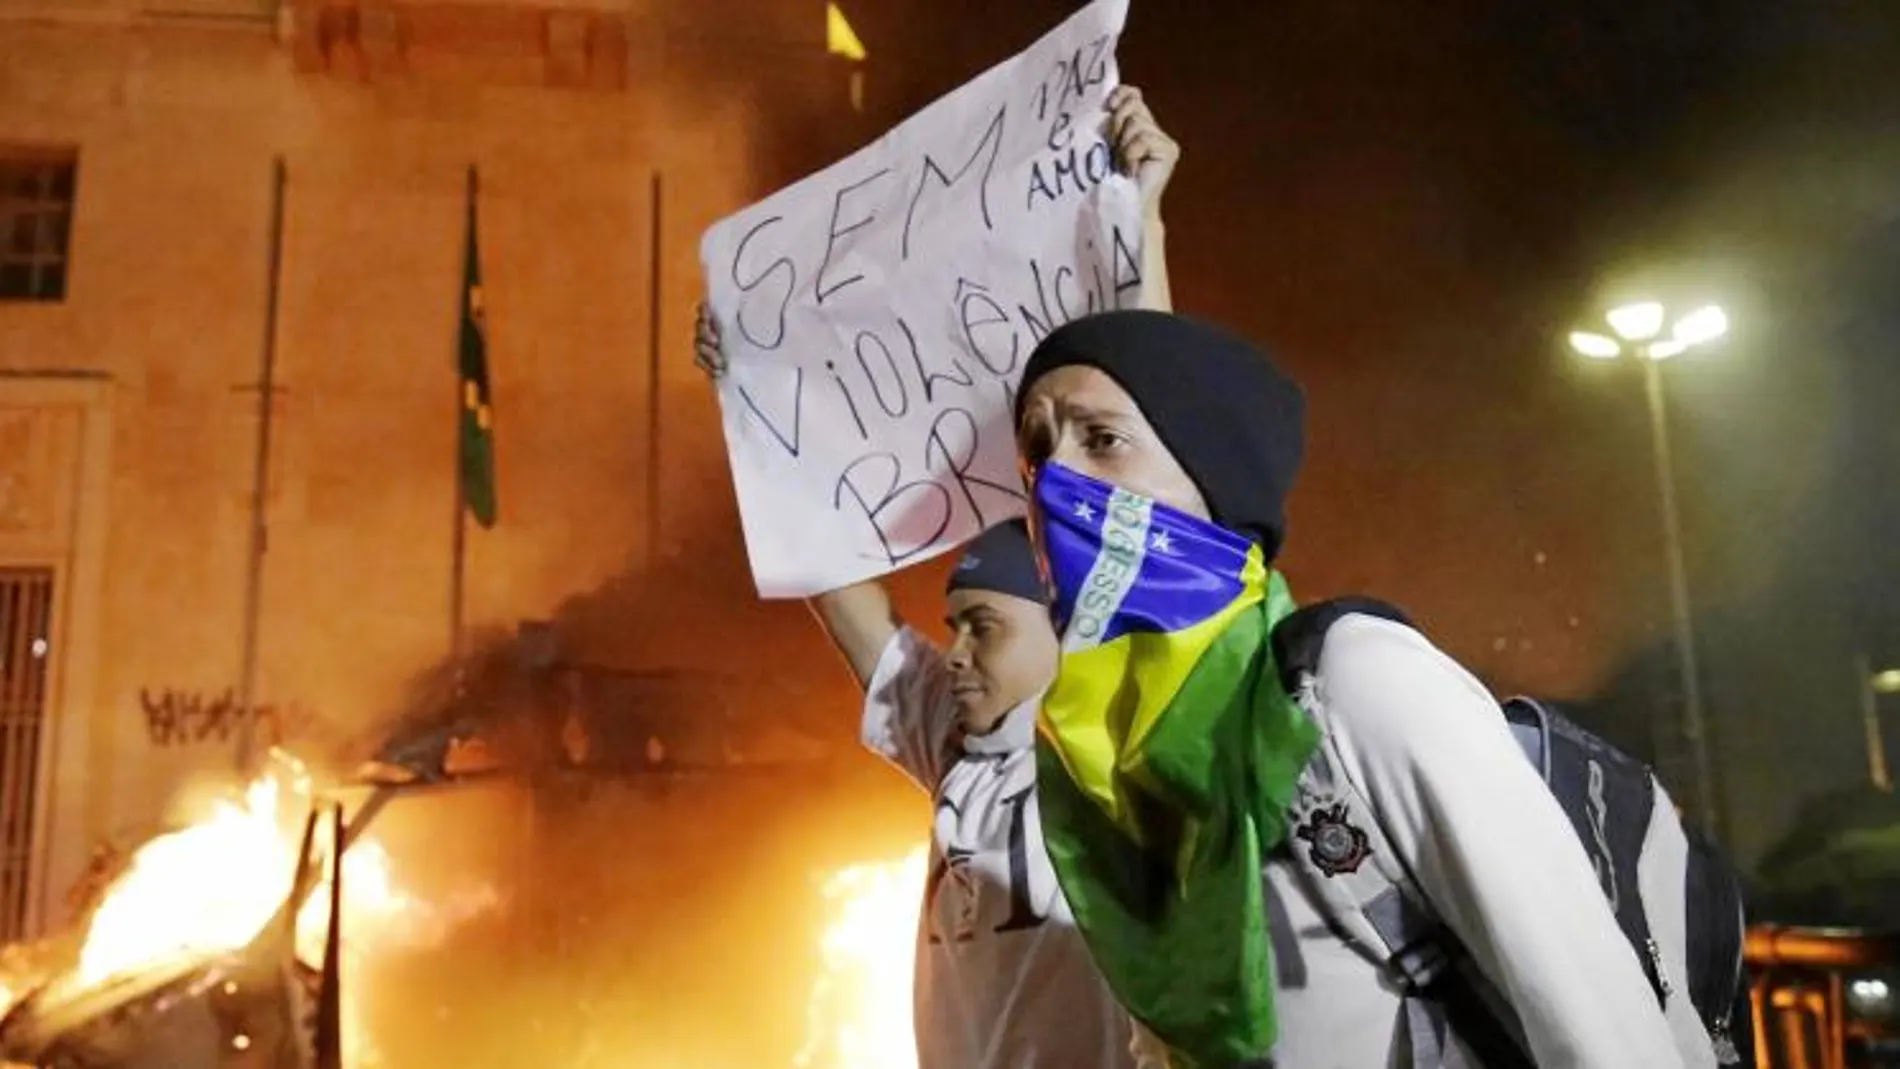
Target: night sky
<point>1410,204</point>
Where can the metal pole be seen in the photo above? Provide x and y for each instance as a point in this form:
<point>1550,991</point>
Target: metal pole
<point>458,552</point>
<point>330,997</point>
<point>1870,725</point>
<point>458,546</point>
<point>1694,727</point>
<point>260,480</point>
<point>654,290</point>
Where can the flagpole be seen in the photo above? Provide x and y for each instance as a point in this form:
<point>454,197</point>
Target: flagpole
<point>654,290</point>
<point>260,481</point>
<point>459,543</point>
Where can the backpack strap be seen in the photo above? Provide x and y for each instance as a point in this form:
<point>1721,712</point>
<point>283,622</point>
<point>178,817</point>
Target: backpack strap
<point>1345,860</point>
<point>1300,637</point>
<point>1369,894</point>
<point>1338,848</point>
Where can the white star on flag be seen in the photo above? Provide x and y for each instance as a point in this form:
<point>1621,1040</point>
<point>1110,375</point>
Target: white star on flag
<point>1083,510</point>
<point>1161,543</point>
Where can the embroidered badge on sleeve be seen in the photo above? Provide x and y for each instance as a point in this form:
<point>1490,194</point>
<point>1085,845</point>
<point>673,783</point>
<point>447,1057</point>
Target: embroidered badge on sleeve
<point>1338,846</point>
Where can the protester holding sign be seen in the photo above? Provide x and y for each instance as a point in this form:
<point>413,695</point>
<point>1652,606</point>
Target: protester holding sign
<point>1002,981</point>
<point>1177,760</point>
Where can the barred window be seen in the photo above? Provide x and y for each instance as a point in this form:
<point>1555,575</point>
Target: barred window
<point>36,220</point>
<point>26,616</point>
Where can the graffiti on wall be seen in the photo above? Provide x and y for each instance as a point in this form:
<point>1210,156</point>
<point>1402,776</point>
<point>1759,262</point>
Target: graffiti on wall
<point>192,717</point>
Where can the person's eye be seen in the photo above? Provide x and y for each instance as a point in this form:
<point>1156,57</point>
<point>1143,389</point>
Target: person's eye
<point>1101,440</point>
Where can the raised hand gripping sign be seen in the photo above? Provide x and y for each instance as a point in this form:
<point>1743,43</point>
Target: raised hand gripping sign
<point>877,315</point>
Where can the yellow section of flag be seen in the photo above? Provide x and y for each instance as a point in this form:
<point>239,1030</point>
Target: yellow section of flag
<point>1107,699</point>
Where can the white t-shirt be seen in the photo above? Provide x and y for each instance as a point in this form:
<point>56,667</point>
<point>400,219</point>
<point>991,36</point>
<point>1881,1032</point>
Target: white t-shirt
<point>1003,980</point>
<point>1424,752</point>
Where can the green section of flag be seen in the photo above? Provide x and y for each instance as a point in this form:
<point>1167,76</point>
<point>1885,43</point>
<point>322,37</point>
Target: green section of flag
<point>476,451</point>
<point>1176,917</point>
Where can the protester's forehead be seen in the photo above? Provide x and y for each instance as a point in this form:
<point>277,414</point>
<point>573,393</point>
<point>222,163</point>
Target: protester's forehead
<point>966,601</point>
<point>1079,389</point>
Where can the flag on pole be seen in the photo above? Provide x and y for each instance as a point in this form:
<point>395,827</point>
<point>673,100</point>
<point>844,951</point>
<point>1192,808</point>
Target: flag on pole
<point>476,450</point>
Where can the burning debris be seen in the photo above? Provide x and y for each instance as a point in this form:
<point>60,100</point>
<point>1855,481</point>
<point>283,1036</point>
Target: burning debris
<point>211,947</point>
<point>232,1011</point>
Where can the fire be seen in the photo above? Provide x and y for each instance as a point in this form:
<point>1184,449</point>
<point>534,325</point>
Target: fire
<point>211,887</point>
<point>203,890</point>
<point>370,899</point>
<point>859,1015</point>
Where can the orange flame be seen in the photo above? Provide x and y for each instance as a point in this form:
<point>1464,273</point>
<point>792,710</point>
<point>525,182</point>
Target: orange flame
<point>210,888</point>
<point>203,890</point>
<point>859,1015</point>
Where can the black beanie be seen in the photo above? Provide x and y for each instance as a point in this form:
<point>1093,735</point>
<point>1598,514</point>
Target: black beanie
<point>1001,560</point>
<point>1234,421</point>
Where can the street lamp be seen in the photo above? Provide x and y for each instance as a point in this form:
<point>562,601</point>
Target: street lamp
<point>1638,330</point>
<point>1872,685</point>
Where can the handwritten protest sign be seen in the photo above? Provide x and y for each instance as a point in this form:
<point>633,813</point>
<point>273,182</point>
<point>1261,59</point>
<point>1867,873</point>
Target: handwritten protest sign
<point>877,315</point>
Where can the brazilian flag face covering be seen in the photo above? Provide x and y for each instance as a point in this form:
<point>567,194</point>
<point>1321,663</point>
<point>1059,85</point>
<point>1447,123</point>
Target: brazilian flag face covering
<point>1167,753</point>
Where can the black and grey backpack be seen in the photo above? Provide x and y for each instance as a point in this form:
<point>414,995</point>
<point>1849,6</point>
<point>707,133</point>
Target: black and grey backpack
<point>1617,807</point>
